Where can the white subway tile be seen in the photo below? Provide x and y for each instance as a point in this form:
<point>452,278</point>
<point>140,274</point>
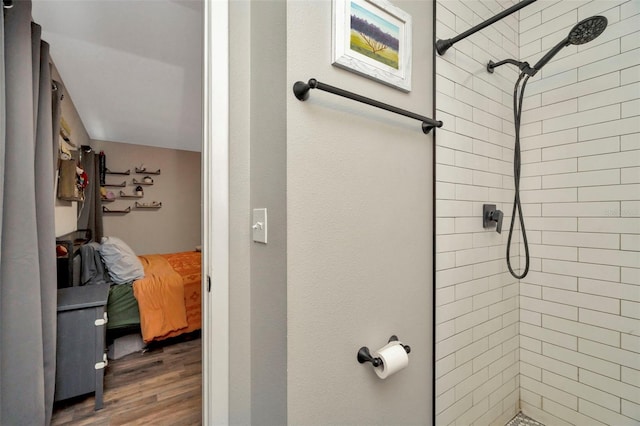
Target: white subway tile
<point>629,142</point>
<point>444,85</point>
<point>471,129</point>
<point>614,387</point>
<point>445,191</point>
<point>609,225</point>
<point>445,365</point>
<point>477,255</point>
<point>610,257</point>
<point>450,379</point>
<point>486,89</point>
<point>597,7</point>
<point>604,415</point>
<point>511,317</point>
<point>630,242</point>
<point>611,289</point>
<point>629,8</point>
<point>445,295</point>
<point>549,336</point>
<point>487,149</point>
<point>630,175</point>
<point>568,414</point>
<point>530,317</point>
<point>622,61</point>
<point>453,174</point>
<point>487,298</point>
<point>583,118</point>
<point>631,410</point>
<point>445,155</point>
<point>486,328</point>
<point>548,111</point>
<point>609,97</point>
<point>445,261</point>
<point>551,280</point>
<point>554,82</point>
<point>549,195</point>
<point>581,239</point>
<point>631,376</point>
<point>551,223</point>
<point>629,75</point>
<point>550,364</point>
<point>582,179</point>
<point>471,288</point>
<point>503,392</point>
<point>511,345</point>
<point>487,119</point>
<point>589,301</point>
<point>477,410</point>
<point>445,400</point>
<point>471,161</point>
<point>582,58</point>
<point>609,193</point>
<point>586,87</point>
<point>467,321</point>
<point>445,330</point>
<point>612,322</point>
<point>453,73</point>
<point>530,344</point>
<point>579,269</point>
<point>546,27</point>
<point>487,179</point>
<point>448,416</point>
<point>471,351</point>
<point>453,344</point>
<point>453,106</point>
<point>631,108</point>
<point>453,242</point>
<point>630,209</point>
<point>581,390</point>
<point>550,308</point>
<point>526,130</point>
<point>478,100</point>
<point>553,252</point>
<point>578,329</point>
<point>631,343</point>
<point>503,335</point>
<point>549,139</point>
<point>596,209</point>
<point>630,275</point>
<point>585,362</point>
<point>567,165</point>
<point>557,395</point>
<point>615,355</point>
<point>454,140</point>
<point>453,310</point>
<point>630,309</point>
<point>581,149</point>
<point>453,276</point>
<point>452,208</point>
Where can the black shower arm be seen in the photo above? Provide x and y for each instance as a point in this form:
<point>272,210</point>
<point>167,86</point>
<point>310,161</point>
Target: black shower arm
<point>523,66</point>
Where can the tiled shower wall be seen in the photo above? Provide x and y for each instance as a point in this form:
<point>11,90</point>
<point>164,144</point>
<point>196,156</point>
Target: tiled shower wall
<point>562,344</point>
<point>580,304</point>
<point>477,369</point>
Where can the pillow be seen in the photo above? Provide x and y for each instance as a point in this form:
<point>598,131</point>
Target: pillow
<point>121,262</point>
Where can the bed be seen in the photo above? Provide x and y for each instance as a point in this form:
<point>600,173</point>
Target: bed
<point>164,303</point>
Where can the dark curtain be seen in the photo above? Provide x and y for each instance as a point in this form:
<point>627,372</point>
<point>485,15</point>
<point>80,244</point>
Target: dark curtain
<point>90,211</point>
<point>27,248</point>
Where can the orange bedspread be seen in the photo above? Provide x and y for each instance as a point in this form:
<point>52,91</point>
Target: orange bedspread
<point>169,294</point>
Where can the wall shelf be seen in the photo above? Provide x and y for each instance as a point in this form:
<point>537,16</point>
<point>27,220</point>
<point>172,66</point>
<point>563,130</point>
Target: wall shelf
<point>144,171</point>
<point>123,195</point>
<point>116,185</point>
<point>107,200</point>
<point>107,210</point>
<point>109,172</point>
<point>137,182</point>
<point>151,205</point>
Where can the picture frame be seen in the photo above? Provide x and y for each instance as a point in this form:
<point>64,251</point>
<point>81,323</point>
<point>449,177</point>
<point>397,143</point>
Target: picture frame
<point>373,38</point>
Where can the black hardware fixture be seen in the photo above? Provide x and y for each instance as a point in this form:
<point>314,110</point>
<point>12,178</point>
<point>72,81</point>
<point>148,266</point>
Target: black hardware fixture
<point>8,4</point>
<point>364,355</point>
<point>583,32</point>
<point>489,215</point>
<point>443,45</point>
<point>301,90</point>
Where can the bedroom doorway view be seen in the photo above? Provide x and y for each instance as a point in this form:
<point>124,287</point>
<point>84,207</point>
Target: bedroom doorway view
<point>131,123</point>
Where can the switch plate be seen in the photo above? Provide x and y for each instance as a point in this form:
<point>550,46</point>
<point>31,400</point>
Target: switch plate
<point>259,225</point>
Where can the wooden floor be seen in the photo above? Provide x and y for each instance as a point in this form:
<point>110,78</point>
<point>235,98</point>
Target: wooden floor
<point>159,387</point>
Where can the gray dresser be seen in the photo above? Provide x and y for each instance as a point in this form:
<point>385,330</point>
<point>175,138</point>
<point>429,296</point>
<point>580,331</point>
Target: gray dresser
<point>80,352</point>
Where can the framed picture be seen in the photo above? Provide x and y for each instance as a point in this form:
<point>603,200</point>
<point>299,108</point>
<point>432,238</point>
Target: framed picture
<point>373,38</point>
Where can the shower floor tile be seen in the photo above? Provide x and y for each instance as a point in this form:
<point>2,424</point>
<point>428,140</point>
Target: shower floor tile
<point>522,420</point>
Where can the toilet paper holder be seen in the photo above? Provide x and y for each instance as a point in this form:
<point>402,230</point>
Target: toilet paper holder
<point>364,355</point>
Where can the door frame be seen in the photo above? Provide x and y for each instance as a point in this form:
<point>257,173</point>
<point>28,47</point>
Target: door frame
<point>215,214</point>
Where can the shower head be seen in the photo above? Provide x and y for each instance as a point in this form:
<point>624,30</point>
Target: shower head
<point>587,29</point>
<point>583,32</point>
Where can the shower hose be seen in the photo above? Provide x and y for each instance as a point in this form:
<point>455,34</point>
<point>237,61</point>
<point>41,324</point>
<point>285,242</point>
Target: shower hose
<point>518,96</point>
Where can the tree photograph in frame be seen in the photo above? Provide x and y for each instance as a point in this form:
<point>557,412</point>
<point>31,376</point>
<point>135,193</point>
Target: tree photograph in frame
<point>373,38</point>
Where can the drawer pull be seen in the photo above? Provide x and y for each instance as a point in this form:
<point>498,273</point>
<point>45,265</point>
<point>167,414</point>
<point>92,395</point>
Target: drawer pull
<point>103,364</point>
<point>101,321</point>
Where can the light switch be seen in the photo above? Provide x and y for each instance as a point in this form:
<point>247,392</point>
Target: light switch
<point>259,225</point>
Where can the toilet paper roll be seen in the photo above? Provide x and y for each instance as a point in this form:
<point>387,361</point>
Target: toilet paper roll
<point>394,358</point>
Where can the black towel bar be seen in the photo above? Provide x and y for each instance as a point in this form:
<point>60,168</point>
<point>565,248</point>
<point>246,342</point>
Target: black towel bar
<point>301,90</point>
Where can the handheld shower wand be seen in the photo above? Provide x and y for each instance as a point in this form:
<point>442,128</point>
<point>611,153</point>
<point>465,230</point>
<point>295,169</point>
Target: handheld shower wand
<point>583,32</point>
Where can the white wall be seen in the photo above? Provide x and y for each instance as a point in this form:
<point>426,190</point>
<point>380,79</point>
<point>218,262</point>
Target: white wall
<point>580,304</point>
<point>477,299</point>
<point>359,232</point>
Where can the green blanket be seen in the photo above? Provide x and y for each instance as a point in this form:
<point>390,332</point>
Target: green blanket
<point>122,307</point>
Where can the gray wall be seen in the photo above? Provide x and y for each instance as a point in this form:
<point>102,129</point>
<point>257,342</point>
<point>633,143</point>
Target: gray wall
<point>173,228</point>
<point>359,232</point>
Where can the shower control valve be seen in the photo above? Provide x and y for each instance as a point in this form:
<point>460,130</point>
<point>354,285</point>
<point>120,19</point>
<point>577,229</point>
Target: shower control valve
<point>489,215</point>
